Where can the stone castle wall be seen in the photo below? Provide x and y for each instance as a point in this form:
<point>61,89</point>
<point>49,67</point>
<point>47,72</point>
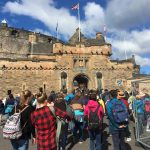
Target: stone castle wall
<point>32,75</point>
<point>20,69</point>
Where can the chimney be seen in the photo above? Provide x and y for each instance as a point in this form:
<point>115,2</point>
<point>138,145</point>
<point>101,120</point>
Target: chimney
<point>99,35</point>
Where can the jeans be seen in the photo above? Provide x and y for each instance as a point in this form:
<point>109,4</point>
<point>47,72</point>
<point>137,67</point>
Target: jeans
<point>20,144</point>
<point>95,139</point>
<point>71,126</point>
<point>78,126</point>
<point>127,132</point>
<point>63,137</point>
<point>118,140</point>
<point>147,120</point>
<point>141,119</point>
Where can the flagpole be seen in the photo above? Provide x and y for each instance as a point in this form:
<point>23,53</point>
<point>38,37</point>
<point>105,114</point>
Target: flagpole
<point>104,32</point>
<point>79,22</point>
<point>57,35</point>
<point>57,31</point>
<point>125,47</point>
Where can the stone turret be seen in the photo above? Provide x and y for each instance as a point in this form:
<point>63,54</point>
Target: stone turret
<point>33,38</point>
<point>99,35</point>
<point>4,23</point>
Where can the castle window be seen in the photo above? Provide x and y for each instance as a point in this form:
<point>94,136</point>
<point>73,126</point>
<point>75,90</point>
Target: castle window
<point>14,33</point>
<point>49,40</point>
<point>98,75</point>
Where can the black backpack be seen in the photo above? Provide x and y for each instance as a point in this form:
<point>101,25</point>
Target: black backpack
<point>94,122</point>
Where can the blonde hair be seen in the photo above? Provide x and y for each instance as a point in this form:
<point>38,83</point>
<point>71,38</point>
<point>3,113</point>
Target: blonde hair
<point>24,96</point>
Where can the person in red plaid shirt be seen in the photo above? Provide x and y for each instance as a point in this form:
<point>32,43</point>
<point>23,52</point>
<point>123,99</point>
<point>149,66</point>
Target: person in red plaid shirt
<point>45,124</point>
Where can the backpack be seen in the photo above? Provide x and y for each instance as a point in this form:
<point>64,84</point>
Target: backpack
<point>69,111</point>
<point>12,128</point>
<point>94,121</point>
<point>78,112</point>
<point>9,109</point>
<point>139,108</point>
<point>120,113</point>
<point>60,122</point>
<point>147,106</point>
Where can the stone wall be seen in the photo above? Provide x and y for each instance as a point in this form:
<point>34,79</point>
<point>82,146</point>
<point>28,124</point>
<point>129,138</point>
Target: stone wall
<point>13,48</point>
<point>21,70</point>
<point>20,75</point>
<point>81,49</point>
<point>145,86</point>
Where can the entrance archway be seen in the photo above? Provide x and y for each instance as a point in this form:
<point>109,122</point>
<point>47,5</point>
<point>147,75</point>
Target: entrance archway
<point>81,80</point>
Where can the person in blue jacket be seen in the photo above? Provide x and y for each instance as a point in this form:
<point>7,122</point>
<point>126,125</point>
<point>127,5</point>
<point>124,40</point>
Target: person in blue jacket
<point>116,130</point>
<point>9,104</point>
<point>139,111</point>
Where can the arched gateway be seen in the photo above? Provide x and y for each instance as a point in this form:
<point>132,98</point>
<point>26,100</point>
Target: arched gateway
<point>82,80</point>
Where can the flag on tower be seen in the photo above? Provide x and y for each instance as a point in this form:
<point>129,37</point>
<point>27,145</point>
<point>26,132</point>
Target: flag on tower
<point>57,31</point>
<point>105,29</point>
<point>75,7</point>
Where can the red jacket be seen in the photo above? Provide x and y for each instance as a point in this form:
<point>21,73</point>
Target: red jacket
<point>45,124</point>
<point>92,105</point>
<point>125,102</point>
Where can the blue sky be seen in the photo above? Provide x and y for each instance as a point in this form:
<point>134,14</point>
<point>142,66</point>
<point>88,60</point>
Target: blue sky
<point>127,21</point>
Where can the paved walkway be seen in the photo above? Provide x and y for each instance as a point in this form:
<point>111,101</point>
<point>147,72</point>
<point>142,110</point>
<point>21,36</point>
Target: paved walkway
<point>107,142</point>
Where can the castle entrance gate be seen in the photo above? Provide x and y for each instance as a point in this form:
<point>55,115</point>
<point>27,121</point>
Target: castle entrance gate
<point>81,80</point>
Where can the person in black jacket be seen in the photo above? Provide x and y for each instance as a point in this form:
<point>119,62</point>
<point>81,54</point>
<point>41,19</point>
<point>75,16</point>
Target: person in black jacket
<point>27,128</point>
<point>61,104</point>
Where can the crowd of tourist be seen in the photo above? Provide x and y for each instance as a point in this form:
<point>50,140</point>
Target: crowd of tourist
<point>49,119</point>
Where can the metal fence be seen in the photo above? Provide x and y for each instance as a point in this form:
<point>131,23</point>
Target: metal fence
<point>142,120</point>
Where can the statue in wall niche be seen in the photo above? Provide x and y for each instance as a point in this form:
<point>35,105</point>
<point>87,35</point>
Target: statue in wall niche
<point>63,80</point>
<point>99,80</point>
<point>63,83</point>
<point>99,83</point>
<point>81,63</point>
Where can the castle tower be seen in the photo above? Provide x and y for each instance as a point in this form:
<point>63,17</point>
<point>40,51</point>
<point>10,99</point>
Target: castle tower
<point>32,38</point>
<point>99,36</point>
<point>4,23</point>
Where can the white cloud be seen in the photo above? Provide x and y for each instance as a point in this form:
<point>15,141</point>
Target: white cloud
<point>142,61</point>
<point>135,42</point>
<point>118,15</point>
<point>122,14</point>
<point>94,18</point>
<point>45,11</point>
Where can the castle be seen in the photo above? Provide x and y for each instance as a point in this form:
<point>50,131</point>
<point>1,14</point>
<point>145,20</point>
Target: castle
<point>31,60</point>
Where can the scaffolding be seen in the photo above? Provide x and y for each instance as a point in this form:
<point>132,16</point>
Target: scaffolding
<point>142,121</point>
